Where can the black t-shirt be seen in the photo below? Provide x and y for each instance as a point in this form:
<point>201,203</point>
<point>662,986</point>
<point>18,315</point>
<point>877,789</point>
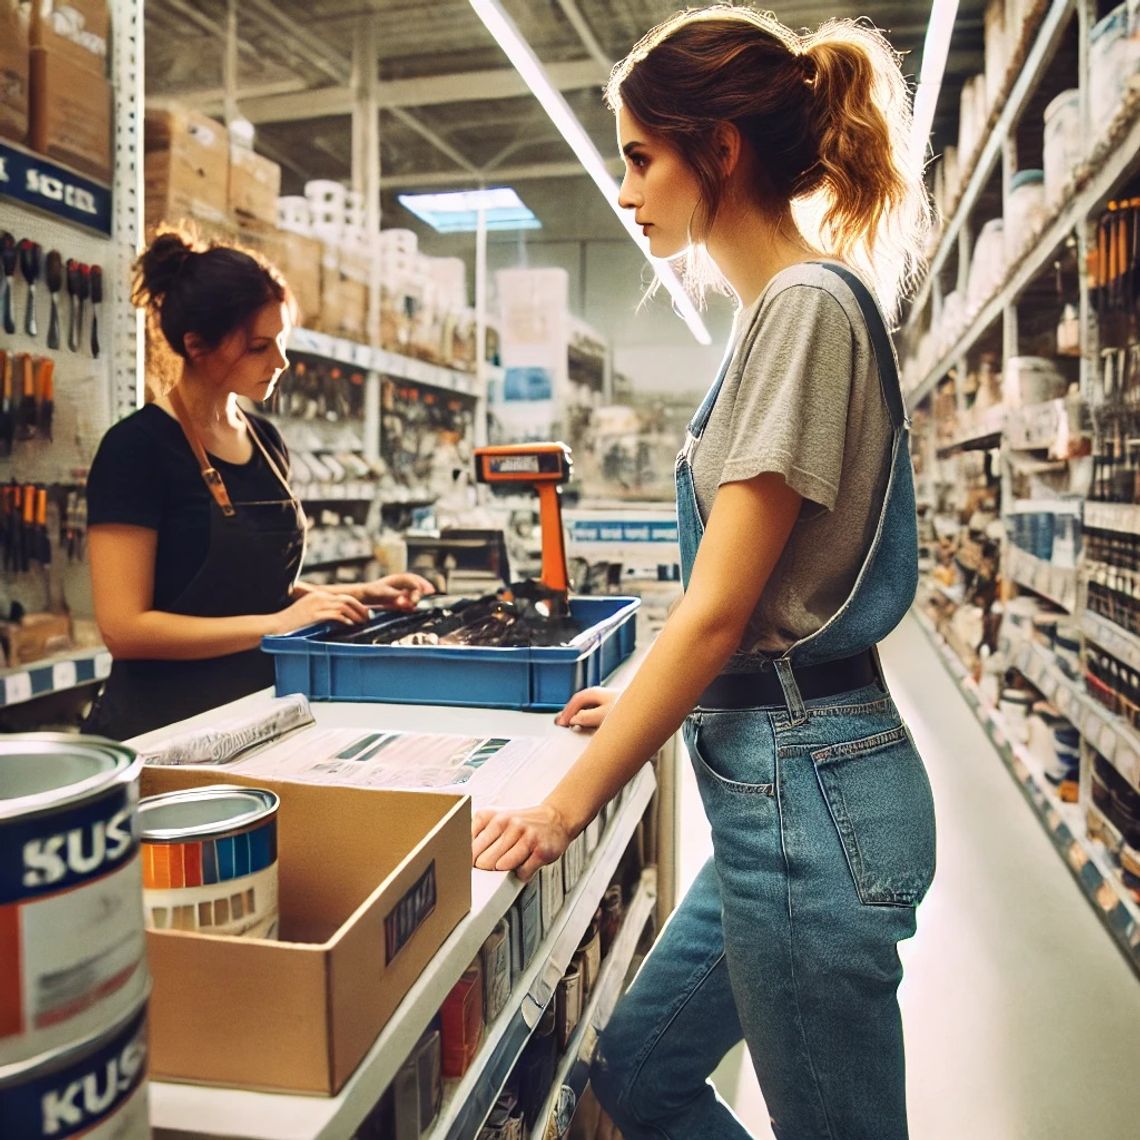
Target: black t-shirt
<point>144,474</point>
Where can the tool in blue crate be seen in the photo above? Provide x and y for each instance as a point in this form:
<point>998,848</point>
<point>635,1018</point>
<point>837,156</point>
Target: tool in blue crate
<point>543,467</point>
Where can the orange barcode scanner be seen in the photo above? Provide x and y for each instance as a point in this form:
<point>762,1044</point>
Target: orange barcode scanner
<point>542,466</point>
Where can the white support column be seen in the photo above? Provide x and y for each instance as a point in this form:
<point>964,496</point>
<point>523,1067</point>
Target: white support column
<point>482,405</point>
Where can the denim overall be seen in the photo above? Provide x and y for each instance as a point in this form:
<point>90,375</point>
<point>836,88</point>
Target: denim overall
<point>823,845</point>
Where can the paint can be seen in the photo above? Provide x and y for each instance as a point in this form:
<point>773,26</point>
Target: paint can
<point>95,1088</point>
<point>209,860</point>
<point>71,923</point>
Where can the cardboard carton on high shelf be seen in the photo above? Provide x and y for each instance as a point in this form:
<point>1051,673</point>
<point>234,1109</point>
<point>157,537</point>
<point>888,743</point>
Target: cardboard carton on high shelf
<point>76,30</point>
<point>13,72</point>
<point>186,166</point>
<point>35,637</point>
<point>254,186</point>
<point>298,258</point>
<point>372,883</point>
<point>344,305</point>
<point>70,115</point>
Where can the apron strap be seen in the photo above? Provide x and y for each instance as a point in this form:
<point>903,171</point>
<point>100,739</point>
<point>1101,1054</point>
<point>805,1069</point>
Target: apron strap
<point>266,454</point>
<point>880,343</point>
<point>211,476</point>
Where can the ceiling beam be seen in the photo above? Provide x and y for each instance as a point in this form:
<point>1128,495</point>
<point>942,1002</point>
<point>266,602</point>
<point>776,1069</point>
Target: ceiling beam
<point>321,54</point>
<point>573,13</point>
<point>428,91</point>
<point>506,174</point>
<point>442,145</point>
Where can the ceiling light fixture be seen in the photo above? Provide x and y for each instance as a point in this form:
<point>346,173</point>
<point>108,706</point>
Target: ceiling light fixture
<point>935,50</point>
<point>458,212</point>
<point>533,74</point>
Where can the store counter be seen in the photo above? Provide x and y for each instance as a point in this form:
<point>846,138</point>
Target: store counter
<point>185,1110</point>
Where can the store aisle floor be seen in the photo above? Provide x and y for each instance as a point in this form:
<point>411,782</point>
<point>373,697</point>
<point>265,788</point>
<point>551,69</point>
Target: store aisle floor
<point>1022,1017</point>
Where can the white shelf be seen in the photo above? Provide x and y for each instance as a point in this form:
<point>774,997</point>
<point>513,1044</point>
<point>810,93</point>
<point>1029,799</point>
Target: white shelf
<point>1022,90</point>
<point>198,1111</point>
<point>53,675</point>
<point>1122,517</point>
<point>1108,635</point>
<point>1059,586</point>
<point>1036,426</point>
<point>575,1061</point>
<point>1119,163</point>
<point>381,360</point>
<point>1064,823</point>
<point>983,432</point>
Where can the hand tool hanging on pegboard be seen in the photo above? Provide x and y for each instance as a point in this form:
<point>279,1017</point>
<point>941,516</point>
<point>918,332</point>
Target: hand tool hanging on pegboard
<point>53,274</point>
<point>30,256</point>
<point>96,306</point>
<point>9,255</point>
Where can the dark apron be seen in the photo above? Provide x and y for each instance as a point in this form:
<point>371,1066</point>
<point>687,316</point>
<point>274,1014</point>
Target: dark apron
<point>251,567</point>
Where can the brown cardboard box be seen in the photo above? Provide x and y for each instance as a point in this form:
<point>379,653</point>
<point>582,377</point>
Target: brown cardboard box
<point>254,185</point>
<point>35,637</point>
<point>298,258</point>
<point>70,118</point>
<point>344,305</point>
<point>76,30</point>
<point>186,167</point>
<point>300,1014</point>
<point>13,73</point>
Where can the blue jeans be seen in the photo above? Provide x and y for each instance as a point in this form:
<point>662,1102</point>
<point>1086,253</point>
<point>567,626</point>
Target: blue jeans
<point>823,841</point>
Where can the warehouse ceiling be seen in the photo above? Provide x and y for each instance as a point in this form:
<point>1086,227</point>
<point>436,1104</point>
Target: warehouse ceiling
<point>453,112</point>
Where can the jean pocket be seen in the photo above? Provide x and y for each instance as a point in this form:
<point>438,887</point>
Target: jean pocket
<point>879,798</point>
<point>733,751</point>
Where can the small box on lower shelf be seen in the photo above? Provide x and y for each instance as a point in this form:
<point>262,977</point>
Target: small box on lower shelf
<point>299,1013</point>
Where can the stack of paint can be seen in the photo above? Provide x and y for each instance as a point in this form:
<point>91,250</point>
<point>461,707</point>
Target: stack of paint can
<point>73,979</point>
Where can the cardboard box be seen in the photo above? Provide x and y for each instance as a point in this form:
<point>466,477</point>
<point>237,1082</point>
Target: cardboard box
<point>298,258</point>
<point>35,637</point>
<point>254,185</point>
<point>70,116</point>
<point>186,167</point>
<point>344,305</point>
<point>358,869</point>
<point>13,73</point>
<point>76,30</point>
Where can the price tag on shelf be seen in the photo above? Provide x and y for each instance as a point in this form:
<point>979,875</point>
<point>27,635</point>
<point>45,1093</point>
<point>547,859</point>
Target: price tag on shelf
<point>64,675</point>
<point>102,664</point>
<point>17,687</point>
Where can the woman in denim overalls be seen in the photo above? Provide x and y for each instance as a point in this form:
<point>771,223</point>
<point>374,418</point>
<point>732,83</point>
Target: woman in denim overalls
<point>822,821</point>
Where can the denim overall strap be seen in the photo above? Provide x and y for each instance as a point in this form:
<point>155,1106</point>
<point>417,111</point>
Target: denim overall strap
<point>888,578</point>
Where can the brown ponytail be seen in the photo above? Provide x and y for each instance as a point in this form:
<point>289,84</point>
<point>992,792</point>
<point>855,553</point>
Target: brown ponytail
<point>826,115</point>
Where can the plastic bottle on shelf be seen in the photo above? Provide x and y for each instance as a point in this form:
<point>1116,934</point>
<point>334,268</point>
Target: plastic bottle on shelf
<point>1063,149</point>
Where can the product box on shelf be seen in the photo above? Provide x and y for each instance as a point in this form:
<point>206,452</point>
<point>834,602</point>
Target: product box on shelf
<point>13,73</point>
<point>70,113</point>
<point>187,163</point>
<point>344,305</point>
<point>511,678</point>
<point>371,884</point>
<point>76,30</point>
<point>254,184</point>
<point>299,260</point>
<point>35,636</point>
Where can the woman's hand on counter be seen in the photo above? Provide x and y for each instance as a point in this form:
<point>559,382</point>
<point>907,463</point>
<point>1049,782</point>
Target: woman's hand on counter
<point>587,709</point>
<point>395,592</point>
<point>521,840</point>
<point>317,605</point>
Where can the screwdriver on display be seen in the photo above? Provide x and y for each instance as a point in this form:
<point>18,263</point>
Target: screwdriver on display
<point>96,303</point>
<point>30,267</point>
<point>42,543</point>
<point>8,257</point>
<point>53,274</point>
<point>46,386</point>
<point>7,418</point>
<point>73,313</point>
<point>27,411</point>
<point>28,529</point>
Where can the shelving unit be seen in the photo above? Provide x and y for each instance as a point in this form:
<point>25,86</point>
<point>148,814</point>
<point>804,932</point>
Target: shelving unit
<point>1052,582</point>
<point>53,675</point>
<point>573,1068</point>
<point>1065,824</point>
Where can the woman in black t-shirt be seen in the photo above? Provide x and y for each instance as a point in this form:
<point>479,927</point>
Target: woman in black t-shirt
<point>196,539</point>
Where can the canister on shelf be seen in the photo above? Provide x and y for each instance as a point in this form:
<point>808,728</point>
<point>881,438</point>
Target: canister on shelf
<point>71,923</point>
<point>568,1006</point>
<point>94,1087</point>
<point>1063,148</point>
<point>589,954</point>
<point>613,912</point>
<point>461,1018</point>
<point>525,917</point>
<point>550,888</point>
<point>428,1057</point>
<point>496,955</point>
<point>210,860</point>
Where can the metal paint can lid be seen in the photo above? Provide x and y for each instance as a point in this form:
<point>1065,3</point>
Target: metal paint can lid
<point>204,813</point>
<point>44,771</point>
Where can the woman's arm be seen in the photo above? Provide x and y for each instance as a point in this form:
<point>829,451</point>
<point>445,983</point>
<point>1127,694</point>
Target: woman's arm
<point>122,576</point>
<point>747,530</point>
<point>396,591</point>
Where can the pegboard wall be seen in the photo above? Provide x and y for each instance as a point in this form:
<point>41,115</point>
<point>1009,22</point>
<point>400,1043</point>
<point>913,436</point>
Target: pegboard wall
<point>91,392</point>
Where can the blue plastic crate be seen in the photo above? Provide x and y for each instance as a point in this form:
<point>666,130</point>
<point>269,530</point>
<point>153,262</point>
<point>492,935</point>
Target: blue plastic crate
<point>523,678</point>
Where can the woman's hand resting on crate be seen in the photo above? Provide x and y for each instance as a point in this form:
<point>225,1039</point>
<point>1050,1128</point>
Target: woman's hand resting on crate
<point>587,709</point>
<point>521,840</point>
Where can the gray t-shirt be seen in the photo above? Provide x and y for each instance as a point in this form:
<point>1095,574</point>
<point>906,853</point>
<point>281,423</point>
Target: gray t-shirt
<point>802,398</point>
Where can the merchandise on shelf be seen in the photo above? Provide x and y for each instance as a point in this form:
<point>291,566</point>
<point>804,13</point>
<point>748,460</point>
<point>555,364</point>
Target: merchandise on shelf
<point>13,72</point>
<point>186,168</point>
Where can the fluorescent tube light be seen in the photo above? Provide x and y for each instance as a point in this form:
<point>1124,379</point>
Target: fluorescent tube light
<point>458,212</point>
<point>935,49</point>
<point>533,74</point>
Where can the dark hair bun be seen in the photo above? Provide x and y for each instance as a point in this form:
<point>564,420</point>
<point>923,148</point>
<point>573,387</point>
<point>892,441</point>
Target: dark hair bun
<point>159,265</point>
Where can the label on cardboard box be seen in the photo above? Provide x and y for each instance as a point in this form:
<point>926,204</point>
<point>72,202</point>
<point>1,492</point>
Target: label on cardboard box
<point>13,75</point>
<point>70,114</point>
<point>409,914</point>
<point>76,29</point>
